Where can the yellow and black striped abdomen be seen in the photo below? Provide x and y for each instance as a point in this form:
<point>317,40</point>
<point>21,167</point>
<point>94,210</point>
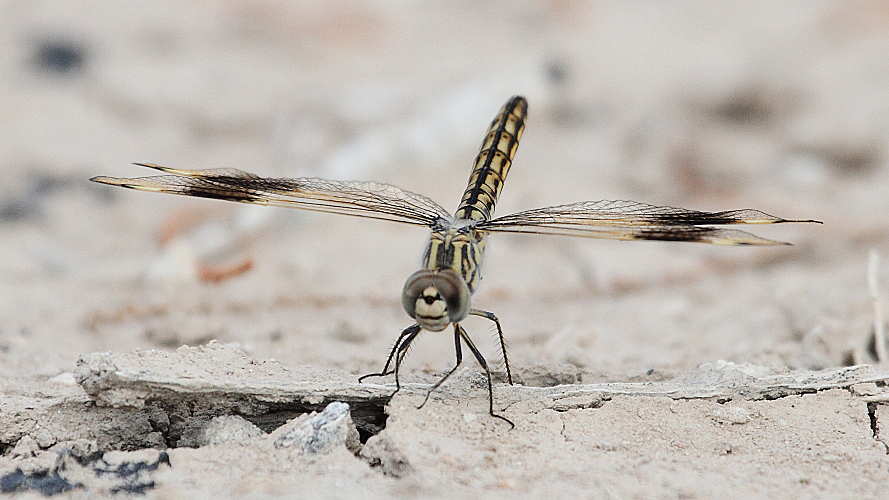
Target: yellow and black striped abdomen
<point>493,161</point>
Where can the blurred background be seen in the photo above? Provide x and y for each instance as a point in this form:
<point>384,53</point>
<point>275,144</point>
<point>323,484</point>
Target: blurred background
<point>780,106</point>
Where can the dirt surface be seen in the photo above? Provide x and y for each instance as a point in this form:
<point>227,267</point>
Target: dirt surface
<point>183,348</point>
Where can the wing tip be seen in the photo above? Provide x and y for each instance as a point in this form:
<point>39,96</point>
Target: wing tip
<point>751,240</point>
<point>119,181</point>
<point>102,179</point>
<point>747,240</point>
<point>798,221</point>
<point>779,220</point>
<point>125,183</point>
<point>771,243</point>
<point>155,166</point>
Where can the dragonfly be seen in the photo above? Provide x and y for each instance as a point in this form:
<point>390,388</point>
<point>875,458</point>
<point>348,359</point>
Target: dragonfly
<point>439,294</point>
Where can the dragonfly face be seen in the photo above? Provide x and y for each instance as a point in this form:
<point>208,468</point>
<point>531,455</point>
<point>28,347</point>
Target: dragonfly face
<point>439,294</point>
<point>436,298</point>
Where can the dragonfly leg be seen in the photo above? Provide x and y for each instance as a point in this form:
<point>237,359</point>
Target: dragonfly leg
<point>407,336</point>
<point>401,352</point>
<point>490,316</point>
<point>457,329</point>
<point>481,361</point>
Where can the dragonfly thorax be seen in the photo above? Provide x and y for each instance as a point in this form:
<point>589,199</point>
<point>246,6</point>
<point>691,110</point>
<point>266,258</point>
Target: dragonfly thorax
<point>436,298</point>
<point>459,248</point>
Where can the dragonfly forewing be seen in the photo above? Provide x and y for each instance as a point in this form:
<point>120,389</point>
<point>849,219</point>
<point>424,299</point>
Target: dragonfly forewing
<point>372,200</point>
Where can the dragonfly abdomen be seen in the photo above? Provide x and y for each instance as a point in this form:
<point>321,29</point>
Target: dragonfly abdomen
<point>493,161</point>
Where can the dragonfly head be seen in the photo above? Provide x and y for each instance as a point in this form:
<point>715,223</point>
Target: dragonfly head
<point>436,298</point>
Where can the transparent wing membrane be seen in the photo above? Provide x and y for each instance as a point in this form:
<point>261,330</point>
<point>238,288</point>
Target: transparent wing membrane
<point>363,199</point>
<point>630,220</point>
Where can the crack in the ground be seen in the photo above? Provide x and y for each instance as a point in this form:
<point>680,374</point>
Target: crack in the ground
<point>872,413</point>
<point>171,421</point>
<point>875,425</point>
<point>185,420</point>
<point>174,420</point>
<point>585,402</point>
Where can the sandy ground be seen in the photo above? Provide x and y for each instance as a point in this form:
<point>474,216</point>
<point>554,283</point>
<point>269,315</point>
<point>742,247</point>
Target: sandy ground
<point>645,370</point>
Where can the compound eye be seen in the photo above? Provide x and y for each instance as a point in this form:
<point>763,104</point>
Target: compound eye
<point>449,286</point>
<point>413,289</point>
<point>453,289</point>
